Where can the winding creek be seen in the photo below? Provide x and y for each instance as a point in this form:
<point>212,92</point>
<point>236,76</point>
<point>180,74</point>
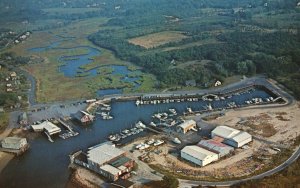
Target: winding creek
<point>73,65</point>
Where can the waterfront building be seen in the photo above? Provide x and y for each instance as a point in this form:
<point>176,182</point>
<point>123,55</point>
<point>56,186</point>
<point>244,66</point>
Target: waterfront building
<point>83,117</point>
<point>230,136</point>
<point>198,155</point>
<point>14,143</point>
<point>49,128</point>
<point>186,126</point>
<point>106,160</point>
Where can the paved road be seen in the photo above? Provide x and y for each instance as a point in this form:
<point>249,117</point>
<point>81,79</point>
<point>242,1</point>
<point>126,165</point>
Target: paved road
<point>293,158</point>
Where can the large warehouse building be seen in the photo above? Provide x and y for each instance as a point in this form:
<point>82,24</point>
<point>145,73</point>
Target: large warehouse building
<point>106,160</point>
<point>216,147</point>
<point>232,137</point>
<point>198,155</point>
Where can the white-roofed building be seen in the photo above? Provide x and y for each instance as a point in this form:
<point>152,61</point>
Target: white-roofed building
<point>49,127</point>
<point>198,155</point>
<point>103,153</point>
<point>14,143</point>
<point>107,160</point>
<point>110,172</point>
<point>186,126</point>
<point>232,136</point>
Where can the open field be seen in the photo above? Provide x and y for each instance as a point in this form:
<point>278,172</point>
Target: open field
<point>157,39</point>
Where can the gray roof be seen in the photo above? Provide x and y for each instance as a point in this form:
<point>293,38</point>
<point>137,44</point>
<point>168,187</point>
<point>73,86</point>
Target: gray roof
<point>103,153</point>
<point>110,169</point>
<point>215,146</point>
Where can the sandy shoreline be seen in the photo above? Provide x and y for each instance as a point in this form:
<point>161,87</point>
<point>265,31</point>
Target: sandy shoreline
<point>5,159</point>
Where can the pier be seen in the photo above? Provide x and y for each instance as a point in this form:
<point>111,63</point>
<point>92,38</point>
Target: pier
<point>60,120</point>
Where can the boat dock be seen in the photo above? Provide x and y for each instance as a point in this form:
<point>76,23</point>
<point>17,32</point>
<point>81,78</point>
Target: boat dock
<point>60,120</point>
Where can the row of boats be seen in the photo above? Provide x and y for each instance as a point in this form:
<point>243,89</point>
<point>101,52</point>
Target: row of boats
<point>139,127</point>
<point>105,112</point>
<point>209,97</point>
<point>259,100</point>
<point>163,101</point>
<point>146,145</point>
<point>68,134</point>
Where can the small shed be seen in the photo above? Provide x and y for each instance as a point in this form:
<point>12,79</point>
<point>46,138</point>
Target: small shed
<point>23,119</point>
<point>186,126</point>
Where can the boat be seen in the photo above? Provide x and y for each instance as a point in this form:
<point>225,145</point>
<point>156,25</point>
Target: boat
<point>112,137</point>
<point>209,107</point>
<point>137,102</point>
<point>150,142</point>
<point>140,125</point>
<point>158,142</point>
<point>126,131</point>
<point>153,124</point>
<point>189,110</point>
<point>176,140</point>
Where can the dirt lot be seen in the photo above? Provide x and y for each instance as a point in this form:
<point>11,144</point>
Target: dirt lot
<point>279,125</point>
<point>84,178</point>
<point>157,39</point>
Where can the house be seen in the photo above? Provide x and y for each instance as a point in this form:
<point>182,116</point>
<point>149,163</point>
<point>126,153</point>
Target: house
<point>13,74</point>
<point>106,160</point>
<point>230,136</point>
<point>190,83</point>
<point>23,119</point>
<point>83,117</point>
<point>218,83</point>
<point>186,126</point>
<point>198,155</point>
<point>14,143</point>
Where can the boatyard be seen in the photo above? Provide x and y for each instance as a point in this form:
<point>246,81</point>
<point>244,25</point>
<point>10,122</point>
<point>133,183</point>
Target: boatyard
<point>152,129</point>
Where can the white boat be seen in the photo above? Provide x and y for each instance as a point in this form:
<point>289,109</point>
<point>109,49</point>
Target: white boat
<point>209,107</point>
<point>189,110</point>
<point>126,131</point>
<point>138,102</point>
<point>140,125</point>
<point>176,140</point>
<point>158,142</point>
<point>150,142</point>
<point>153,124</point>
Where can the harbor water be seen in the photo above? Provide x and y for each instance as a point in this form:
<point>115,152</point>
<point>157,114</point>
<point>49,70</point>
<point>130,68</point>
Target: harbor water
<point>45,164</point>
